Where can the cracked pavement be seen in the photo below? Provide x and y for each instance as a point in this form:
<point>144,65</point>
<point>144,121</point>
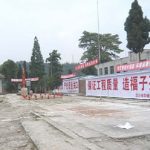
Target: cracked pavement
<point>73,123</point>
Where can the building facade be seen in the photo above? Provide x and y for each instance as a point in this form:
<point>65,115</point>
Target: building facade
<point>109,67</point>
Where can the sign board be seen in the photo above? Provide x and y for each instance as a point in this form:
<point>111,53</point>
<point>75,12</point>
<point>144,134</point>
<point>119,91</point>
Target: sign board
<point>133,85</point>
<point>87,64</point>
<point>68,76</point>
<point>133,66</point>
<point>71,86</point>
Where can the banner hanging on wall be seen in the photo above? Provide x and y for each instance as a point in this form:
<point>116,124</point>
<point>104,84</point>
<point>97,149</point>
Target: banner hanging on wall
<point>71,86</point>
<point>133,66</point>
<point>133,85</point>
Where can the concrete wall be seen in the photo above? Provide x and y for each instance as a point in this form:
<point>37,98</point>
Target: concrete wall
<point>145,55</point>
<point>82,87</point>
<point>1,90</point>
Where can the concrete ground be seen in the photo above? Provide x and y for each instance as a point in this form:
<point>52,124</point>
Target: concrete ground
<point>73,123</point>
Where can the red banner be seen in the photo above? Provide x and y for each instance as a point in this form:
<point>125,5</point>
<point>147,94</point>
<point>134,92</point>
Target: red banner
<point>133,66</point>
<point>87,64</point>
<point>68,76</point>
<point>20,80</point>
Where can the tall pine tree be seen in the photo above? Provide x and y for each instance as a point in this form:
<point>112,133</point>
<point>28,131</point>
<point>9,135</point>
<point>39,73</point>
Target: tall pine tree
<point>37,62</point>
<point>137,28</point>
<point>37,66</point>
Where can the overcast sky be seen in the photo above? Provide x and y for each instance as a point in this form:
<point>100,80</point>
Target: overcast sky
<point>59,24</point>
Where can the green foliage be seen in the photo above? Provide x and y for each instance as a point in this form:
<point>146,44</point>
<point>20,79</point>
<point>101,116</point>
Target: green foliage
<point>37,66</point>
<point>19,74</point>
<point>0,68</point>
<point>68,68</point>
<point>25,68</point>
<point>20,66</point>
<point>55,69</point>
<point>89,71</point>
<point>109,48</point>
<point>37,62</point>
<point>9,70</point>
<point>137,28</point>
<point>41,85</point>
<point>69,71</point>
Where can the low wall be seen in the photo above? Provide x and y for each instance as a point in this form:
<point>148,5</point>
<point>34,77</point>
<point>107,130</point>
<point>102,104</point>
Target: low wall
<point>126,85</point>
<point>71,86</point>
<point>1,88</point>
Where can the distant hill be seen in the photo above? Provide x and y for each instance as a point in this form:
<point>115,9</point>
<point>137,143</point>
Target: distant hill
<point>67,67</point>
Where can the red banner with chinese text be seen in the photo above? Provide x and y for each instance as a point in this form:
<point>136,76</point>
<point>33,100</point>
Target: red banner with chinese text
<point>133,66</point>
<point>68,76</point>
<point>87,64</point>
<point>71,86</point>
<point>133,85</point>
<point>20,80</point>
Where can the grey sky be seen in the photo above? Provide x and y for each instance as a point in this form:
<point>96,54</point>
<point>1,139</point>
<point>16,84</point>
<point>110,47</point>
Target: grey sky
<point>58,24</point>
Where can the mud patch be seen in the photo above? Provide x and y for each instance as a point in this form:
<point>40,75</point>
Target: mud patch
<point>92,111</point>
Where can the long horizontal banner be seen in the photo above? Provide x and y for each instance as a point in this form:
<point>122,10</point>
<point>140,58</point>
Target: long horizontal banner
<point>136,85</point>
<point>87,64</point>
<point>27,79</point>
<point>68,76</point>
<point>133,66</point>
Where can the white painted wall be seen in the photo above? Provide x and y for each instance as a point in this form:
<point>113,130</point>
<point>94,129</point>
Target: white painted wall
<point>125,85</point>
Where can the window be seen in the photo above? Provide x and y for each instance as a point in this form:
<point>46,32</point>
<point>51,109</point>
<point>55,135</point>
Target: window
<point>100,71</point>
<point>106,70</point>
<point>111,69</point>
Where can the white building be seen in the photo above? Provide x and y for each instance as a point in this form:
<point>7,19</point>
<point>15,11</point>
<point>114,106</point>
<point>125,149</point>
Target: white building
<point>109,67</point>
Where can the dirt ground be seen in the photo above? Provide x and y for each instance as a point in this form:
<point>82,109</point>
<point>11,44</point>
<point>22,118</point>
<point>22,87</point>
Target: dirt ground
<point>73,123</point>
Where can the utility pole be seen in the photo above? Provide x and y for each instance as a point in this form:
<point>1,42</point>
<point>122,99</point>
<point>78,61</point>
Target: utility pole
<point>98,38</point>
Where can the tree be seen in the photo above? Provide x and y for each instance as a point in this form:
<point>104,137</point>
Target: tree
<point>0,68</point>
<point>109,48</point>
<point>37,62</point>
<point>69,71</point>
<point>9,70</point>
<point>55,69</point>
<point>68,68</point>
<point>89,71</point>
<point>37,66</point>
<point>25,68</point>
<point>137,29</point>
<point>19,74</point>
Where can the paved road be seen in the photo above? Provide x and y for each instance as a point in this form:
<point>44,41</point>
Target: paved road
<point>73,123</point>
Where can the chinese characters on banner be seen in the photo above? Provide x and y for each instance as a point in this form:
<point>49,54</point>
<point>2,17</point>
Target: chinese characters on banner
<point>87,64</point>
<point>71,86</point>
<point>68,76</point>
<point>20,80</point>
<point>133,66</point>
<point>135,85</point>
